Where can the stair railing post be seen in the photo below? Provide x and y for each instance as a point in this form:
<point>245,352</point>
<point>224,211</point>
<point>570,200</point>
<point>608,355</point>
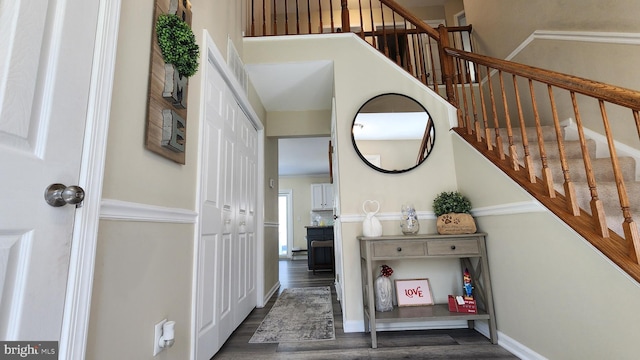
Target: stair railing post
<point>448,68</point>
<point>346,26</point>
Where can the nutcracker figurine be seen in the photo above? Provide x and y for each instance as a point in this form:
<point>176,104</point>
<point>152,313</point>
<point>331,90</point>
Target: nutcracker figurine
<point>468,287</point>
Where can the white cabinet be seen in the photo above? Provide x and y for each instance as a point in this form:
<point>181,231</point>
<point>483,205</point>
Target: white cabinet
<point>321,197</point>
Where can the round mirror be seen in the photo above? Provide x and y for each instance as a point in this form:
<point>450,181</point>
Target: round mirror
<point>393,133</point>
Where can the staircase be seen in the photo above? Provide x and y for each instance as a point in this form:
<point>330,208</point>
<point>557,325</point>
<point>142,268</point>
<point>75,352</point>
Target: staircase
<point>596,196</point>
<point>602,169</point>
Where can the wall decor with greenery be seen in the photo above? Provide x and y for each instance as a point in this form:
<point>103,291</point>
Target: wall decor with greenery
<point>177,44</point>
<point>174,58</point>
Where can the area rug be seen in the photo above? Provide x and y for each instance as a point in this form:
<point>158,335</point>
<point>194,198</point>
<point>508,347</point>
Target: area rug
<point>299,314</point>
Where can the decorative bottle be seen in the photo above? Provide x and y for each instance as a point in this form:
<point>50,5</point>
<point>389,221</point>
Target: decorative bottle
<point>384,290</point>
<point>409,221</point>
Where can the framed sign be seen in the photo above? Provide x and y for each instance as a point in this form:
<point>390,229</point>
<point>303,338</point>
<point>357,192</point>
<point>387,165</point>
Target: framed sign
<point>414,292</point>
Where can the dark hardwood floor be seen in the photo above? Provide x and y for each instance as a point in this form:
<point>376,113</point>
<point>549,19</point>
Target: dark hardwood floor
<point>424,344</point>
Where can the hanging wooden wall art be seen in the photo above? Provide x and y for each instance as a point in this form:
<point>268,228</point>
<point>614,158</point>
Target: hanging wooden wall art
<point>166,132</point>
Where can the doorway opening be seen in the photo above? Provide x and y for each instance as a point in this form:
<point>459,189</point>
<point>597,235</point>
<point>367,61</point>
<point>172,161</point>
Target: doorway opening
<point>285,223</point>
<point>461,20</point>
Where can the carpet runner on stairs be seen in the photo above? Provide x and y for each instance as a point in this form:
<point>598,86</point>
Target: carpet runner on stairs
<point>602,169</point>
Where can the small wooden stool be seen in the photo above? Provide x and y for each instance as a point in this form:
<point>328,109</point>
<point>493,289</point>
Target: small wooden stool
<point>322,244</point>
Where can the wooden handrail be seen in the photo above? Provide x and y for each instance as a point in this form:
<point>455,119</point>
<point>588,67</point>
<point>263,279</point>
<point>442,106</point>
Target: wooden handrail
<point>622,248</point>
<point>613,94</point>
<point>418,23</point>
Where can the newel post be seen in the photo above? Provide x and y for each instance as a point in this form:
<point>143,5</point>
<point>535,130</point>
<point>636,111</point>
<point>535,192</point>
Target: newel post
<point>448,70</point>
<point>346,26</point>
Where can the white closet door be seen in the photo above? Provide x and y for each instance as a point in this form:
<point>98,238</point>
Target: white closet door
<point>226,249</point>
<point>246,147</point>
<point>210,239</point>
<point>227,282</point>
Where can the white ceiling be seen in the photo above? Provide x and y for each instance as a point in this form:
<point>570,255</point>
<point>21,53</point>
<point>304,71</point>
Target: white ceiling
<point>297,87</point>
<point>303,156</point>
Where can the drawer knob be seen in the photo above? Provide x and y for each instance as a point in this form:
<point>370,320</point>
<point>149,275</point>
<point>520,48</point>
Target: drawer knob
<point>399,249</point>
<point>453,247</point>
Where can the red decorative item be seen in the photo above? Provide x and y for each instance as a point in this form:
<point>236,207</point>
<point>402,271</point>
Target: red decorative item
<point>386,271</point>
<point>464,306</point>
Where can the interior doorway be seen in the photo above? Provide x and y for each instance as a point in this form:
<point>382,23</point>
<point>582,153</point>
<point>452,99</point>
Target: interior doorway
<point>285,223</point>
<point>461,20</point>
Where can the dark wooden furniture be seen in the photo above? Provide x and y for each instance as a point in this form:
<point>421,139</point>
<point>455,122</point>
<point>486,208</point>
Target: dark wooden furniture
<point>321,258</point>
<point>317,245</point>
<point>425,247</point>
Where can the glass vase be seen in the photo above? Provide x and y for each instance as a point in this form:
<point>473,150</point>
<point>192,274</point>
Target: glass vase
<point>409,221</point>
<point>384,294</point>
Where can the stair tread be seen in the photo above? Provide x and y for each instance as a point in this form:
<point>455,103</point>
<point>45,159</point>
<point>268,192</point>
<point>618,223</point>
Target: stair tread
<point>606,185</point>
<point>572,148</point>
<point>577,171</point>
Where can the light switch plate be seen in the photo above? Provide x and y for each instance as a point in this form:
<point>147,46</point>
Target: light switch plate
<point>156,337</point>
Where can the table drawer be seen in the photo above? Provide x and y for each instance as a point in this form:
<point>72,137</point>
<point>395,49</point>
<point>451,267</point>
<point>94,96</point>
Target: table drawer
<point>453,247</point>
<point>399,249</point>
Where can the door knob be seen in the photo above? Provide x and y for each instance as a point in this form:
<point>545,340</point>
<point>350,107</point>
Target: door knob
<point>59,195</point>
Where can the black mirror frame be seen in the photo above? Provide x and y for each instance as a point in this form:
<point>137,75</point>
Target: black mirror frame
<point>355,146</point>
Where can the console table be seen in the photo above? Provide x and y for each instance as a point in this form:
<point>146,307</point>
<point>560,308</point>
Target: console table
<point>424,247</point>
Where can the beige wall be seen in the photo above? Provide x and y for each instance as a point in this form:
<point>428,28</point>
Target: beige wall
<point>271,237</point>
<point>554,293</point>
<point>271,172</point>
<point>500,26</point>
<point>451,8</point>
<point>299,123</point>
<point>354,62</point>
<point>271,267</point>
<point>142,275</point>
<point>144,270</point>
<point>395,154</point>
<point>301,190</point>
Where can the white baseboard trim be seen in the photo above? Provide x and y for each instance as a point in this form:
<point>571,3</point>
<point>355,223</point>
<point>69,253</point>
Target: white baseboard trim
<point>269,224</point>
<point>502,209</point>
<point>129,211</point>
<point>583,36</point>
<point>482,327</point>
<point>509,344</point>
<point>271,292</point>
<point>389,216</point>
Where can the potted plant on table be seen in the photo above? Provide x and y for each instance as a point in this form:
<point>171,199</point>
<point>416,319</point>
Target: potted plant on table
<point>453,212</point>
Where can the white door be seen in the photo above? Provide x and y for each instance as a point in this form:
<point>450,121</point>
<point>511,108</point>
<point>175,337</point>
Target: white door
<point>247,177</point>
<point>45,73</point>
<point>337,224</point>
<point>227,285</point>
<point>226,269</point>
<point>210,239</point>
